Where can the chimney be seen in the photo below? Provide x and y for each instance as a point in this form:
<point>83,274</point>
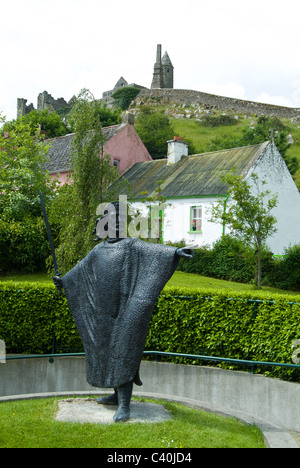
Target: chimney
<point>128,118</point>
<point>176,149</point>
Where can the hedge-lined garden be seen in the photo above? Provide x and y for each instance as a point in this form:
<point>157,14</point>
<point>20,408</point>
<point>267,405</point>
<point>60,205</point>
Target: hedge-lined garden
<point>205,322</point>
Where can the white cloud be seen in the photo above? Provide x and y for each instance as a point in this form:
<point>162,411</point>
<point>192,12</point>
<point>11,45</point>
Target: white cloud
<point>292,99</point>
<point>272,99</point>
<point>219,47</point>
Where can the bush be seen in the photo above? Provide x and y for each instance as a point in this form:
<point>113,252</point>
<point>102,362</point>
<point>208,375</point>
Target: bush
<point>286,274</point>
<point>124,96</point>
<point>218,121</point>
<point>229,259</point>
<point>186,321</point>
<point>154,129</point>
<point>23,245</point>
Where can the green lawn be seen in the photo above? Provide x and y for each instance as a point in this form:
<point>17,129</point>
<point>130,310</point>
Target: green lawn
<point>31,424</point>
<point>31,277</point>
<point>190,280</point>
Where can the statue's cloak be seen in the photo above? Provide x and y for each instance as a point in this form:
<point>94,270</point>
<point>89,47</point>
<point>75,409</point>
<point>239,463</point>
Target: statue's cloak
<point>111,294</point>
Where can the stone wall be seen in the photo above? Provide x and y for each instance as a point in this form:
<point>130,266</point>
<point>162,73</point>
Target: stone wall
<point>211,101</point>
<point>233,393</point>
<point>44,101</point>
<point>22,108</point>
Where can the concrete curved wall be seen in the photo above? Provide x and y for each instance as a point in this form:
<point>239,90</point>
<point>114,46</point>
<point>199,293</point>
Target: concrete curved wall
<point>218,390</point>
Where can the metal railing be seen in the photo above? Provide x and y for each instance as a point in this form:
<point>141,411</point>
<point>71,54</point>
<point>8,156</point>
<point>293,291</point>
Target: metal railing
<point>195,357</point>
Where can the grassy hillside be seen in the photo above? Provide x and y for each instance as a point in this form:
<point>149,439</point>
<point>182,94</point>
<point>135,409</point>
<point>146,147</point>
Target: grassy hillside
<point>188,123</point>
<point>201,135</point>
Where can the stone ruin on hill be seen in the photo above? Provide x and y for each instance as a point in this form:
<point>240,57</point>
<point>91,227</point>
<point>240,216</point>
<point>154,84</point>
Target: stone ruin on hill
<point>162,92</point>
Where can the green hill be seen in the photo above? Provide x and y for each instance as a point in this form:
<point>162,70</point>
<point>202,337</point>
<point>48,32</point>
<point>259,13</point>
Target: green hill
<point>187,121</point>
<point>201,136</point>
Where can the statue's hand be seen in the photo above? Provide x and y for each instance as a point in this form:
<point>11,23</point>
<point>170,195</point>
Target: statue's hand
<point>185,252</point>
<point>58,282</point>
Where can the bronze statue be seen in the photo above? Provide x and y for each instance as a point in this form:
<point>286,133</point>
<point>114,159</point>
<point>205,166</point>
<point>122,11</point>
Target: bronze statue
<point>111,294</point>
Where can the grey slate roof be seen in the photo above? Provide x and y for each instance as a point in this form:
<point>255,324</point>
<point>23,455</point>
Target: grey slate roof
<point>194,176</point>
<point>61,149</point>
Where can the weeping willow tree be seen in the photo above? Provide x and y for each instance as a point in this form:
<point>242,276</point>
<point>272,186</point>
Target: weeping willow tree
<point>87,186</point>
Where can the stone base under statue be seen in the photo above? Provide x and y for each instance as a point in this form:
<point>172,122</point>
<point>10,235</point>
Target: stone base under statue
<point>87,410</point>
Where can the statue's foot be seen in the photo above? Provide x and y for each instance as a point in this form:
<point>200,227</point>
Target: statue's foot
<point>109,400</point>
<point>123,414</point>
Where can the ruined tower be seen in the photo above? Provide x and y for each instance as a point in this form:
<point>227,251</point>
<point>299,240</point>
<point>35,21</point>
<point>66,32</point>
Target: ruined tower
<point>163,71</point>
<point>168,69</point>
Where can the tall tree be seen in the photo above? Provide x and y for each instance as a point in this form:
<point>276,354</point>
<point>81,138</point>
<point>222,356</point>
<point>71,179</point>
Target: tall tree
<point>249,214</point>
<point>50,123</point>
<point>154,129</point>
<point>22,235</point>
<point>92,175</point>
<point>22,174</point>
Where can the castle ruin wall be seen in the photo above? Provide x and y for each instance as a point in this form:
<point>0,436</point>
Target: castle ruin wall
<point>211,101</point>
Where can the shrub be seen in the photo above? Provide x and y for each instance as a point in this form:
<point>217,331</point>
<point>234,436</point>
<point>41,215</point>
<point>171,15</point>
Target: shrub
<point>286,274</point>
<point>229,258</point>
<point>124,96</point>
<point>218,121</point>
<point>23,245</point>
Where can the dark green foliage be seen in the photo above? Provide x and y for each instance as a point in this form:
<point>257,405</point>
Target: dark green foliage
<point>218,121</point>
<point>205,322</point>
<point>22,231</point>
<point>276,327</point>
<point>229,258</point>
<point>50,122</point>
<point>286,271</point>
<point>92,175</point>
<point>154,129</point>
<point>211,323</point>
<point>232,259</point>
<point>28,315</point>
<point>23,245</point>
<point>124,96</point>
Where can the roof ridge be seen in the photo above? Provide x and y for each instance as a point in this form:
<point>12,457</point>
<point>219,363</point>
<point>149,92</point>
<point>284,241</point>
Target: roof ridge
<point>74,133</point>
<point>228,149</point>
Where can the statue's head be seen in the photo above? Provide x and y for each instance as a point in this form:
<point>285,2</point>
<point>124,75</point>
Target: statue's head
<point>108,225</point>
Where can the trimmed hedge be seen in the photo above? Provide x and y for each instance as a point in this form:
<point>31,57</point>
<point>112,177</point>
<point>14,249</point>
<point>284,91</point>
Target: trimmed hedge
<point>30,312</point>
<point>205,322</point>
<point>247,325</point>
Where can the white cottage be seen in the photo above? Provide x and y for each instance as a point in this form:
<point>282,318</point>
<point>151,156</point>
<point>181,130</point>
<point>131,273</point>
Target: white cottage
<point>191,184</point>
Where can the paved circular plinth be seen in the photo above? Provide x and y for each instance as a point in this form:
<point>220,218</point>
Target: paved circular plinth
<point>86,410</point>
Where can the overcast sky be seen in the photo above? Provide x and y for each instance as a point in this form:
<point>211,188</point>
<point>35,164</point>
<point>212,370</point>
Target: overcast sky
<point>237,48</point>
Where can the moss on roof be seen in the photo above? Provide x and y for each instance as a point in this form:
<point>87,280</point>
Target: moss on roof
<point>194,176</point>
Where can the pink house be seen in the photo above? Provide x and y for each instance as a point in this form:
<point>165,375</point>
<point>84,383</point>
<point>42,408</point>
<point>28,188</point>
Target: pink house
<point>122,143</point>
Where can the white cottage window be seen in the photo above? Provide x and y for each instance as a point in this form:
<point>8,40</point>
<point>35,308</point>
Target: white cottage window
<point>196,219</point>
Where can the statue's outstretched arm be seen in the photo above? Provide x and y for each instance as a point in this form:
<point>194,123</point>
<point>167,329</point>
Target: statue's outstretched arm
<point>185,252</point>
